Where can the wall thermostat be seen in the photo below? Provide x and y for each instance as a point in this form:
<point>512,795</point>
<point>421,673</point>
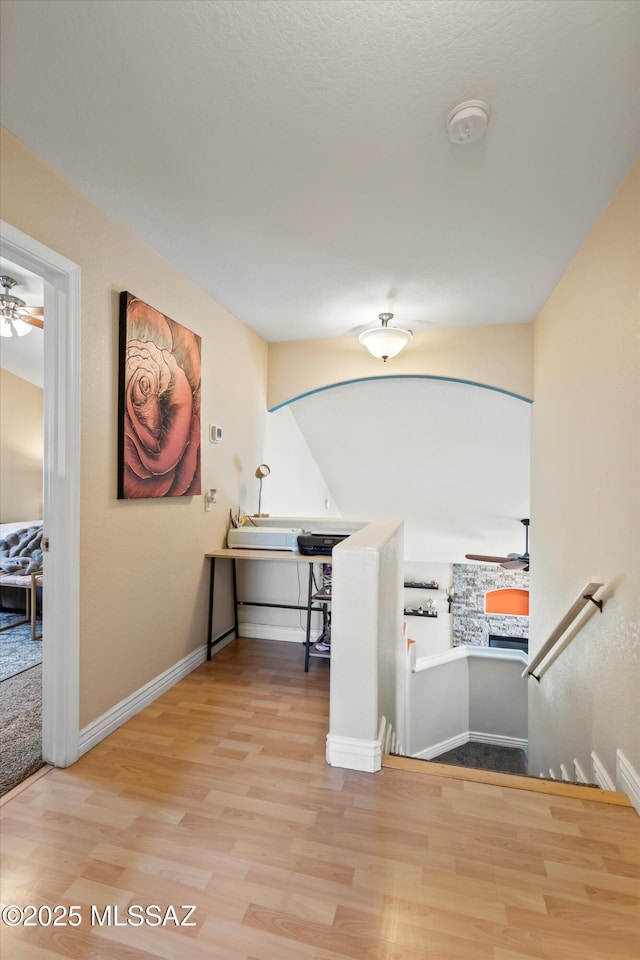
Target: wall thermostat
<point>215,433</point>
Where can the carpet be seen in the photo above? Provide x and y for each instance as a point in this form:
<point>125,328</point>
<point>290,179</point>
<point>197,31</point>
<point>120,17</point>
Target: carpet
<point>20,727</point>
<point>486,756</point>
<point>18,651</point>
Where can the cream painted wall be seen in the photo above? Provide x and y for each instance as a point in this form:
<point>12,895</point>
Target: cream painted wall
<point>586,496</point>
<point>21,449</point>
<point>143,575</point>
<point>499,356</point>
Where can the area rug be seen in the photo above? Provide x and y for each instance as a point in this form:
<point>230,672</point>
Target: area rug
<point>18,651</point>
<point>20,727</point>
<point>486,756</point>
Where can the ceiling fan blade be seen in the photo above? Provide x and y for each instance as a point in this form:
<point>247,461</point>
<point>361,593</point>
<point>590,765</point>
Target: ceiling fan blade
<point>34,321</point>
<point>516,563</point>
<point>479,556</point>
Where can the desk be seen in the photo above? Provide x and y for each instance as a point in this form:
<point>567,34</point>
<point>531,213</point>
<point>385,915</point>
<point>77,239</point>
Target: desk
<point>285,556</point>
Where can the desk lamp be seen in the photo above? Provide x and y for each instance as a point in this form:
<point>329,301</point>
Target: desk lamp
<point>262,472</point>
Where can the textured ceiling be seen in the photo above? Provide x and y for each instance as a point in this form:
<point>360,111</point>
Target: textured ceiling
<point>292,158</point>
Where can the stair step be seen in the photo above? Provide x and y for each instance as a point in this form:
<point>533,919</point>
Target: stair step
<point>558,788</point>
<point>486,756</point>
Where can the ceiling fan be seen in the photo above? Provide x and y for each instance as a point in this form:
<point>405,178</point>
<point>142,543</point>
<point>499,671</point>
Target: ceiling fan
<point>514,561</point>
<point>16,319</point>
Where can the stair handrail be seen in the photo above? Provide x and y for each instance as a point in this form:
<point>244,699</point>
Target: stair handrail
<point>585,596</point>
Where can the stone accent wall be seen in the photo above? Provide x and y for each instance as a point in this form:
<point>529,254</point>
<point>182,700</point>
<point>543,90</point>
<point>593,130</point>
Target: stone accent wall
<point>470,623</point>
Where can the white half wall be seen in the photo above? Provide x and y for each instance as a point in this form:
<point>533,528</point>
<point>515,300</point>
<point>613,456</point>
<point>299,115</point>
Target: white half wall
<point>469,693</point>
<point>368,657</point>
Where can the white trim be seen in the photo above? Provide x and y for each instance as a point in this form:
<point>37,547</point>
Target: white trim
<point>498,740</point>
<point>353,754</point>
<point>438,659</point>
<point>469,651</point>
<point>580,775</point>
<point>102,726</point>
<point>443,747</point>
<point>601,776</point>
<point>628,779</point>
<point>470,736</point>
<point>61,470</point>
<point>564,773</point>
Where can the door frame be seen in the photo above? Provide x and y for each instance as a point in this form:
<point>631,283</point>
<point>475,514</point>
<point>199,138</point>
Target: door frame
<point>61,493</point>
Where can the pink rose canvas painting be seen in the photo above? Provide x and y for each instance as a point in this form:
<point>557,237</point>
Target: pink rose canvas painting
<point>159,404</point>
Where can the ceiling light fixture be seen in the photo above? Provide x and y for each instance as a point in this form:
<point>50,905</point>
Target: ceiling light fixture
<point>468,121</point>
<point>384,342</point>
<point>11,312</point>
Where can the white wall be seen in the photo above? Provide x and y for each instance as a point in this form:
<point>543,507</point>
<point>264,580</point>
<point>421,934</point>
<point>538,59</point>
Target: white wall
<point>296,485</point>
<point>432,635</point>
<point>469,693</point>
<point>497,696</point>
<point>585,497</point>
<point>439,709</point>
<point>451,459</point>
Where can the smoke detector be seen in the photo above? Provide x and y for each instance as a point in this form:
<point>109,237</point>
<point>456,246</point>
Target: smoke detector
<point>468,121</point>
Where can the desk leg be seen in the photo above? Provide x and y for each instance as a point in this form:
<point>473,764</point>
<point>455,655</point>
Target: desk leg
<point>307,643</point>
<point>212,577</point>
<point>235,597</point>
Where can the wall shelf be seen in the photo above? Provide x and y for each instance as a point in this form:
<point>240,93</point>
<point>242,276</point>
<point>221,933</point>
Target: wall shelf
<point>425,613</point>
<point>418,585</point>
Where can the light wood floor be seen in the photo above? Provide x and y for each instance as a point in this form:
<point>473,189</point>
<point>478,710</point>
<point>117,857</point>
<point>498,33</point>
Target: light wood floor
<point>218,795</point>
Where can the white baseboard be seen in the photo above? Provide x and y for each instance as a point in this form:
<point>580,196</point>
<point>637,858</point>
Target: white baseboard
<point>102,726</point>
<point>353,754</point>
<point>498,740</point>
<point>601,777</point>
<point>628,779</point>
<point>443,747</point>
<point>473,736</point>
<point>272,631</point>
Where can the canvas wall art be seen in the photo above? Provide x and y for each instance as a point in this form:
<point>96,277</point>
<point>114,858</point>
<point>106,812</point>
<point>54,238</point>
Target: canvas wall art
<point>159,404</point>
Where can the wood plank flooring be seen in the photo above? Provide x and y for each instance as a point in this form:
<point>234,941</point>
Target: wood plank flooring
<point>218,795</point>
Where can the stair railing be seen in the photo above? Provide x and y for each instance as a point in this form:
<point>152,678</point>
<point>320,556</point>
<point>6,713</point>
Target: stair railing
<point>586,596</point>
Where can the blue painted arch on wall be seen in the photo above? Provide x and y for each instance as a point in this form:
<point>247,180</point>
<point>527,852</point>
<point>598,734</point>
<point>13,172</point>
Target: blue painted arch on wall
<point>405,376</point>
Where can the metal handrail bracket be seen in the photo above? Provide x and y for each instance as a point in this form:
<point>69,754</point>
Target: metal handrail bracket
<point>586,595</point>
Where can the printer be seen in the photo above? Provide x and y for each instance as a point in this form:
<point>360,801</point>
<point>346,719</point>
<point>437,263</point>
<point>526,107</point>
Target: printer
<point>319,543</point>
<point>264,538</point>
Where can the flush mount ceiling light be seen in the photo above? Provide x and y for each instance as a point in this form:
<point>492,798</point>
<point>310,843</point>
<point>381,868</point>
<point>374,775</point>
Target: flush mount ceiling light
<point>468,121</point>
<point>384,342</point>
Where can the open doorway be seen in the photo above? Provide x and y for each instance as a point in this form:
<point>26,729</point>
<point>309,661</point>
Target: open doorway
<point>21,525</point>
<point>61,487</point>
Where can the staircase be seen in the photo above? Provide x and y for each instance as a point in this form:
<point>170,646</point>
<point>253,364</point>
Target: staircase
<point>486,756</point>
